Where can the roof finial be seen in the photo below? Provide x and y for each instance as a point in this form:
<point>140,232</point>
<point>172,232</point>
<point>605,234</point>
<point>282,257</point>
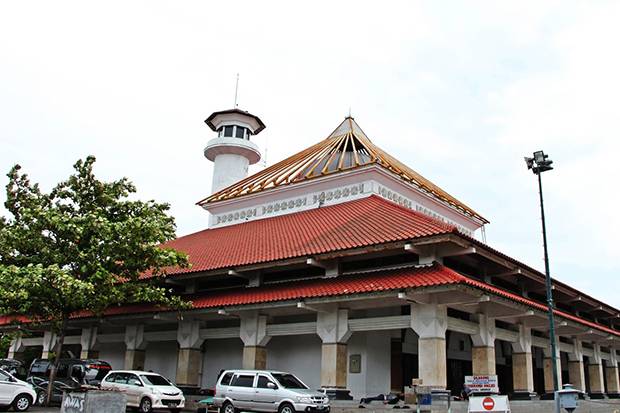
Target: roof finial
<point>349,112</point>
<point>236,89</point>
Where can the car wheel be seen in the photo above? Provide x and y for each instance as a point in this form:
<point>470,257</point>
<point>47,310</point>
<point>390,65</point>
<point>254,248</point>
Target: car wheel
<point>286,408</point>
<point>146,406</point>
<point>228,408</point>
<point>41,397</point>
<point>22,403</point>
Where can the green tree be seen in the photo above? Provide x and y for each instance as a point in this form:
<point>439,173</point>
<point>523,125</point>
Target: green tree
<point>81,247</point>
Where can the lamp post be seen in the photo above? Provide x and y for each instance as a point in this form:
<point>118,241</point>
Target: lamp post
<point>540,163</point>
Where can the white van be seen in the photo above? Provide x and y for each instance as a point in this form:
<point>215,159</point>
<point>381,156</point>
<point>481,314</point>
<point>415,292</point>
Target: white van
<point>145,391</point>
<point>266,391</point>
<point>15,392</point>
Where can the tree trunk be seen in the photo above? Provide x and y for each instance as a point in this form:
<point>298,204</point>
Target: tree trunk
<point>57,355</point>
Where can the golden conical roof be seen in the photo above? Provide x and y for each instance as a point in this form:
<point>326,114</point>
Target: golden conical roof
<point>346,148</point>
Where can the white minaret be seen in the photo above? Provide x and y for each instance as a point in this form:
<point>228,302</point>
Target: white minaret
<point>232,151</point>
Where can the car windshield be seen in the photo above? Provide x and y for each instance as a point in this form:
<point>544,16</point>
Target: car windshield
<point>154,380</point>
<point>288,381</point>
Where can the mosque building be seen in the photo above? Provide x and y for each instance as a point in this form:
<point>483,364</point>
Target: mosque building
<point>348,268</point>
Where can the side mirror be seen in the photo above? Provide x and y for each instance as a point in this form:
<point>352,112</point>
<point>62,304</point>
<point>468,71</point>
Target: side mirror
<point>136,383</point>
<point>272,386</point>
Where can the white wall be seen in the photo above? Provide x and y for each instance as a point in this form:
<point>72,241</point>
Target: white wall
<point>375,377</point>
<point>113,353</point>
<point>219,355</point>
<point>161,357</point>
<point>300,355</point>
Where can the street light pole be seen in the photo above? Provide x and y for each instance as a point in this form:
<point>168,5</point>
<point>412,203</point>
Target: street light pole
<point>540,163</point>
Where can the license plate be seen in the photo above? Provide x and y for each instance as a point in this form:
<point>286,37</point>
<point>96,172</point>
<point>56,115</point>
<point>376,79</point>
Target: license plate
<point>173,405</point>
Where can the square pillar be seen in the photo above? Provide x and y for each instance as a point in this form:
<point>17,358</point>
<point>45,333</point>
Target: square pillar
<point>430,322</point>
<point>595,371</point>
<point>253,333</point>
<point>547,367</point>
<point>576,371</point>
<point>334,365</point>
<point>16,349</point>
<point>522,373</point>
<point>611,375</point>
<point>189,367</point>
<point>134,359</point>
<point>88,340</point>
<point>49,342</point>
<point>613,384</point>
<point>254,357</point>
<point>576,374</point>
<point>135,347</point>
<point>483,350</point>
<point>483,360</point>
<point>522,365</point>
<point>332,326</point>
<point>189,357</point>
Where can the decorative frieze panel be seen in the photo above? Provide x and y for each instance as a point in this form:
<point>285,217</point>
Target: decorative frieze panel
<point>408,203</point>
<point>285,206</point>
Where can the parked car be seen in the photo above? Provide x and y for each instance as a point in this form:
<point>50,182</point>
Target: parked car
<point>15,367</point>
<point>15,393</point>
<point>145,391</point>
<point>71,374</point>
<point>266,391</point>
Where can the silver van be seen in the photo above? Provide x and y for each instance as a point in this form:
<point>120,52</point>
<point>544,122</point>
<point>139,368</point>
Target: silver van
<point>266,391</point>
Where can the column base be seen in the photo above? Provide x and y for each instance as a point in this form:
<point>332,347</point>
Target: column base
<point>189,366</point>
<point>522,395</point>
<point>254,358</point>
<point>613,395</point>
<point>597,395</point>
<point>547,396</point>
<point>337,393</point>
<point>134,359</point>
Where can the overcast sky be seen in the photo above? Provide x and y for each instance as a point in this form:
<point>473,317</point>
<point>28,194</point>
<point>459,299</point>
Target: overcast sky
<point>459,91</point>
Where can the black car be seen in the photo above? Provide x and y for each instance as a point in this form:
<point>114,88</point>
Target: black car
<point>71,374</point>
<point>14,367</point>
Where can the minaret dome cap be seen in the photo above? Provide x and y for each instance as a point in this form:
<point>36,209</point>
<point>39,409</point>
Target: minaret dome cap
<point>216,119</point>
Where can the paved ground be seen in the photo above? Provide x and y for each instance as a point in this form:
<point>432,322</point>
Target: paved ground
<point>592,406</point>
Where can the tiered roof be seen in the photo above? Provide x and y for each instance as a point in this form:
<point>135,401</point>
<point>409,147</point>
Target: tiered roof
<point>346,148</point>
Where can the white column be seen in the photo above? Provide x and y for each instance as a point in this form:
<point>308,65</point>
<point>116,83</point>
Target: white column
<point>483,350</point>
<point>611,374</point>
<point>16,348</point>
<point>430,322</point>
<point>253,333</point>
<point>547,366</point>
<point>522,365</point>
<point>576,372</point>
<point>88,339</point>
<point>135,347</point>
<point>49,342</point>
<point>189,360</point>
<point>332,326</point>
<point>595,370</point>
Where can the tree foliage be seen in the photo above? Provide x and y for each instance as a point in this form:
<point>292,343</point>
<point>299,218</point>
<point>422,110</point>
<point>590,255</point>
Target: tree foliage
<point>81,247</point>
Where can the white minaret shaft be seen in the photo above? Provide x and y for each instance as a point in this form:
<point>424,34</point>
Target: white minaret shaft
<point>232,151</point>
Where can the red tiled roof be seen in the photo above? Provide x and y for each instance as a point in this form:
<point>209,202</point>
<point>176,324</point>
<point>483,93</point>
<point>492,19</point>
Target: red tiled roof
<point>352,224</point>
<point>388,280</point>
<point>412,277</point>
